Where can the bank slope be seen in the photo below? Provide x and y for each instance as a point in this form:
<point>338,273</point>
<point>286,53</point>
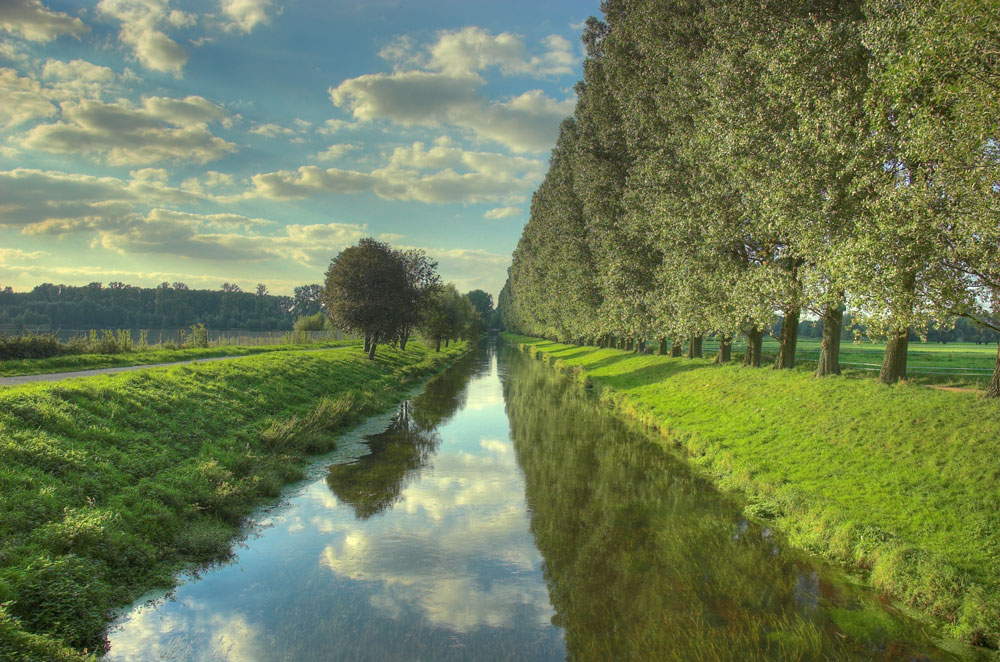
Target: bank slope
<point>900,482</point>
<point>111,484</point>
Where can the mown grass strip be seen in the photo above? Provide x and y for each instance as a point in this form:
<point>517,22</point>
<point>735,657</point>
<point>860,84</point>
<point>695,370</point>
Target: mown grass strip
<point>112,484</point>
<point>73,362</point>
<point>901,482</point>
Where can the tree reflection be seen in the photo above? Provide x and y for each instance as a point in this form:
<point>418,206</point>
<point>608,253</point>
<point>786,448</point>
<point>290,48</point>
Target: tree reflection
<point>375,481</point>
<point>644,561</point>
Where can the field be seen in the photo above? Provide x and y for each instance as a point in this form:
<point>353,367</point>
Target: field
<point>965,365</point>
<point>73,362</point>
<point>899,483</point>
<point>112,484</point>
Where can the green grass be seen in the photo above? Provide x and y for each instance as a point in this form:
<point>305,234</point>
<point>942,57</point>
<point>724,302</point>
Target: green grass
<point>965,365</point>
<point>113,484</point>
<point>899,483</point>
<point>74,362</point>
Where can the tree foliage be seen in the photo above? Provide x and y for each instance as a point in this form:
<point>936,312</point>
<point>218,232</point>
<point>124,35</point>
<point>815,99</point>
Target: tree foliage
<point>733,162</point>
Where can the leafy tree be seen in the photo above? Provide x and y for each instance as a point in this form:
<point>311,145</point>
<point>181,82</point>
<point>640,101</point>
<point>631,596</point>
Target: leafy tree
<point>482,301</point>
<point>261,289</point>
<point>367,291</point>
<point>231,288</point>
<point>307,299</point>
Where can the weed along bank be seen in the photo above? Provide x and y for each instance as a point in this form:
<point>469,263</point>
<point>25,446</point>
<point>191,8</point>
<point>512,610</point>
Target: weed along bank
<point>112,485</point>
<point>897,485</point>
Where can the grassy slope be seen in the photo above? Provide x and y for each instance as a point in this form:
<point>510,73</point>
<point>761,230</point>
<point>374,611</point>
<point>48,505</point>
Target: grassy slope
<point>112,484</point>
<point>900,481</point>
<point>73,362</point>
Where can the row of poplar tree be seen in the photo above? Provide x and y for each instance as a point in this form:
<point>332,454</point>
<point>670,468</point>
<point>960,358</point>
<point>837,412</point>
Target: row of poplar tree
<point>733,160</point>
<point>384,295</point>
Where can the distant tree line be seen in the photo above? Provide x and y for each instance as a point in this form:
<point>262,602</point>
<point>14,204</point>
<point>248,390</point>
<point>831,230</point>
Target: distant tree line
<point>117,305</point>
<point>730,162</point>
<point>384,295</point>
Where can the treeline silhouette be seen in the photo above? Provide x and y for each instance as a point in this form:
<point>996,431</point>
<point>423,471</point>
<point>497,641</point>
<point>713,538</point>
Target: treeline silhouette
<point>50,307</point>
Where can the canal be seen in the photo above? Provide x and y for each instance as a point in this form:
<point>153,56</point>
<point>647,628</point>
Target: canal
<point>501,514</point>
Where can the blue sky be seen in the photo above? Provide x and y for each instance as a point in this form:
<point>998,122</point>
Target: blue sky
<point>251,140</point>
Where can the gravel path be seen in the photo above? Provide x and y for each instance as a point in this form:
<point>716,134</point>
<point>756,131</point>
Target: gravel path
<point>56,376</point>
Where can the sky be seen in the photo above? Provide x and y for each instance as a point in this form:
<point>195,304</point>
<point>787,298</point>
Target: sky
<point>250,141</point>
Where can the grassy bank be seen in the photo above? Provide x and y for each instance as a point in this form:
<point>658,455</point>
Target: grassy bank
<point>900,483</point>
<point>112,484</point>
<point>73,362</point>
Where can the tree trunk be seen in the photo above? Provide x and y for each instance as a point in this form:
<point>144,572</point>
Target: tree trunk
<point>725,354</point>
<point>993,390</point>
<point>403,339</point>
<point>371,350</point>
<point>621,342</point>
<point>629,344</point>
<point>788,340</point>
<point>641,346</point>
<point>829,353</point>
<point>368,344</point>
<point>663,346</point>
<point>446,341</point>
<point>755,340</point>
<point>676,349</point>
<point>894,360</point>
<point>437,347</point>
<point>694,347</point>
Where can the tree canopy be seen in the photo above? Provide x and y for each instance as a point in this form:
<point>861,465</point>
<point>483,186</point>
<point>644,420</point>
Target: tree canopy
<point>733,162</point>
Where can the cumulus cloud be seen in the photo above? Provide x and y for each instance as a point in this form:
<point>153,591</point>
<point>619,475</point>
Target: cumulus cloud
<point>120,134</point>
<point>22,99</point>
<point>52,202</point>
<point>32,20</point>
<point>82,77</point>
<point>333,126</point>
<point>525,123</point>
<point>456,175</point>
<point>473,49</point>
<point>502,212</point>
<point>245,15</point>
<point>336,151</point>
<point>141,23</point>
<point>201,236</point>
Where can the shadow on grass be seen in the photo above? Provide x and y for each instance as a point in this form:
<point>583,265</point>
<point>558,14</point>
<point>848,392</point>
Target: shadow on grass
<point>651,374</point>
<point>583,351</point>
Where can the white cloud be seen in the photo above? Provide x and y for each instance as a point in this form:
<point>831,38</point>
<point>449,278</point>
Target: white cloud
<point>484,176</point>
<point>141,21</point>
<point>121,134</point>
<point>407,98</point>
<point>245,15</point>
<point>201,236</point>
<point>336,151</point>
<point>82,77</point>
<point>34,21</point>
<point>473,49</point>
<point>526,123</point>
<point>17,255</point>
<point>333,126</point>
<point>56,202</point>
<point>22,99</point>
<point>271,130</point>
<point>502,212</point>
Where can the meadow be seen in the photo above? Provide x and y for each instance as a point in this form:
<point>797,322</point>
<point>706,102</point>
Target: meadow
<point>896,483</point>
<point>151,355</point>
<point>113,484</point>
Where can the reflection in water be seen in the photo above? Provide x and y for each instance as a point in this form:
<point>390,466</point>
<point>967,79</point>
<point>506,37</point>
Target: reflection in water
<point>419,543</point>
<point>645,562</point>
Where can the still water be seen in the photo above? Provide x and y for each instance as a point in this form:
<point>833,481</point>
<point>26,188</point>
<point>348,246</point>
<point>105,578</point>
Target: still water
<point>500,514</point>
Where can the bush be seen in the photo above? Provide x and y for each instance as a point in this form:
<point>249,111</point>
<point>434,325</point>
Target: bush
<point>31,346</point>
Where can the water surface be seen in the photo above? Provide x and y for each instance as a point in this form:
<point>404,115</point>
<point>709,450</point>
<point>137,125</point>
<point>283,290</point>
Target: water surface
<point>500,514</point>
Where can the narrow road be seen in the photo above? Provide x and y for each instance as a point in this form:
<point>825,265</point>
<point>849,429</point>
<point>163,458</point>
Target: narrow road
<point>56,376</point>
